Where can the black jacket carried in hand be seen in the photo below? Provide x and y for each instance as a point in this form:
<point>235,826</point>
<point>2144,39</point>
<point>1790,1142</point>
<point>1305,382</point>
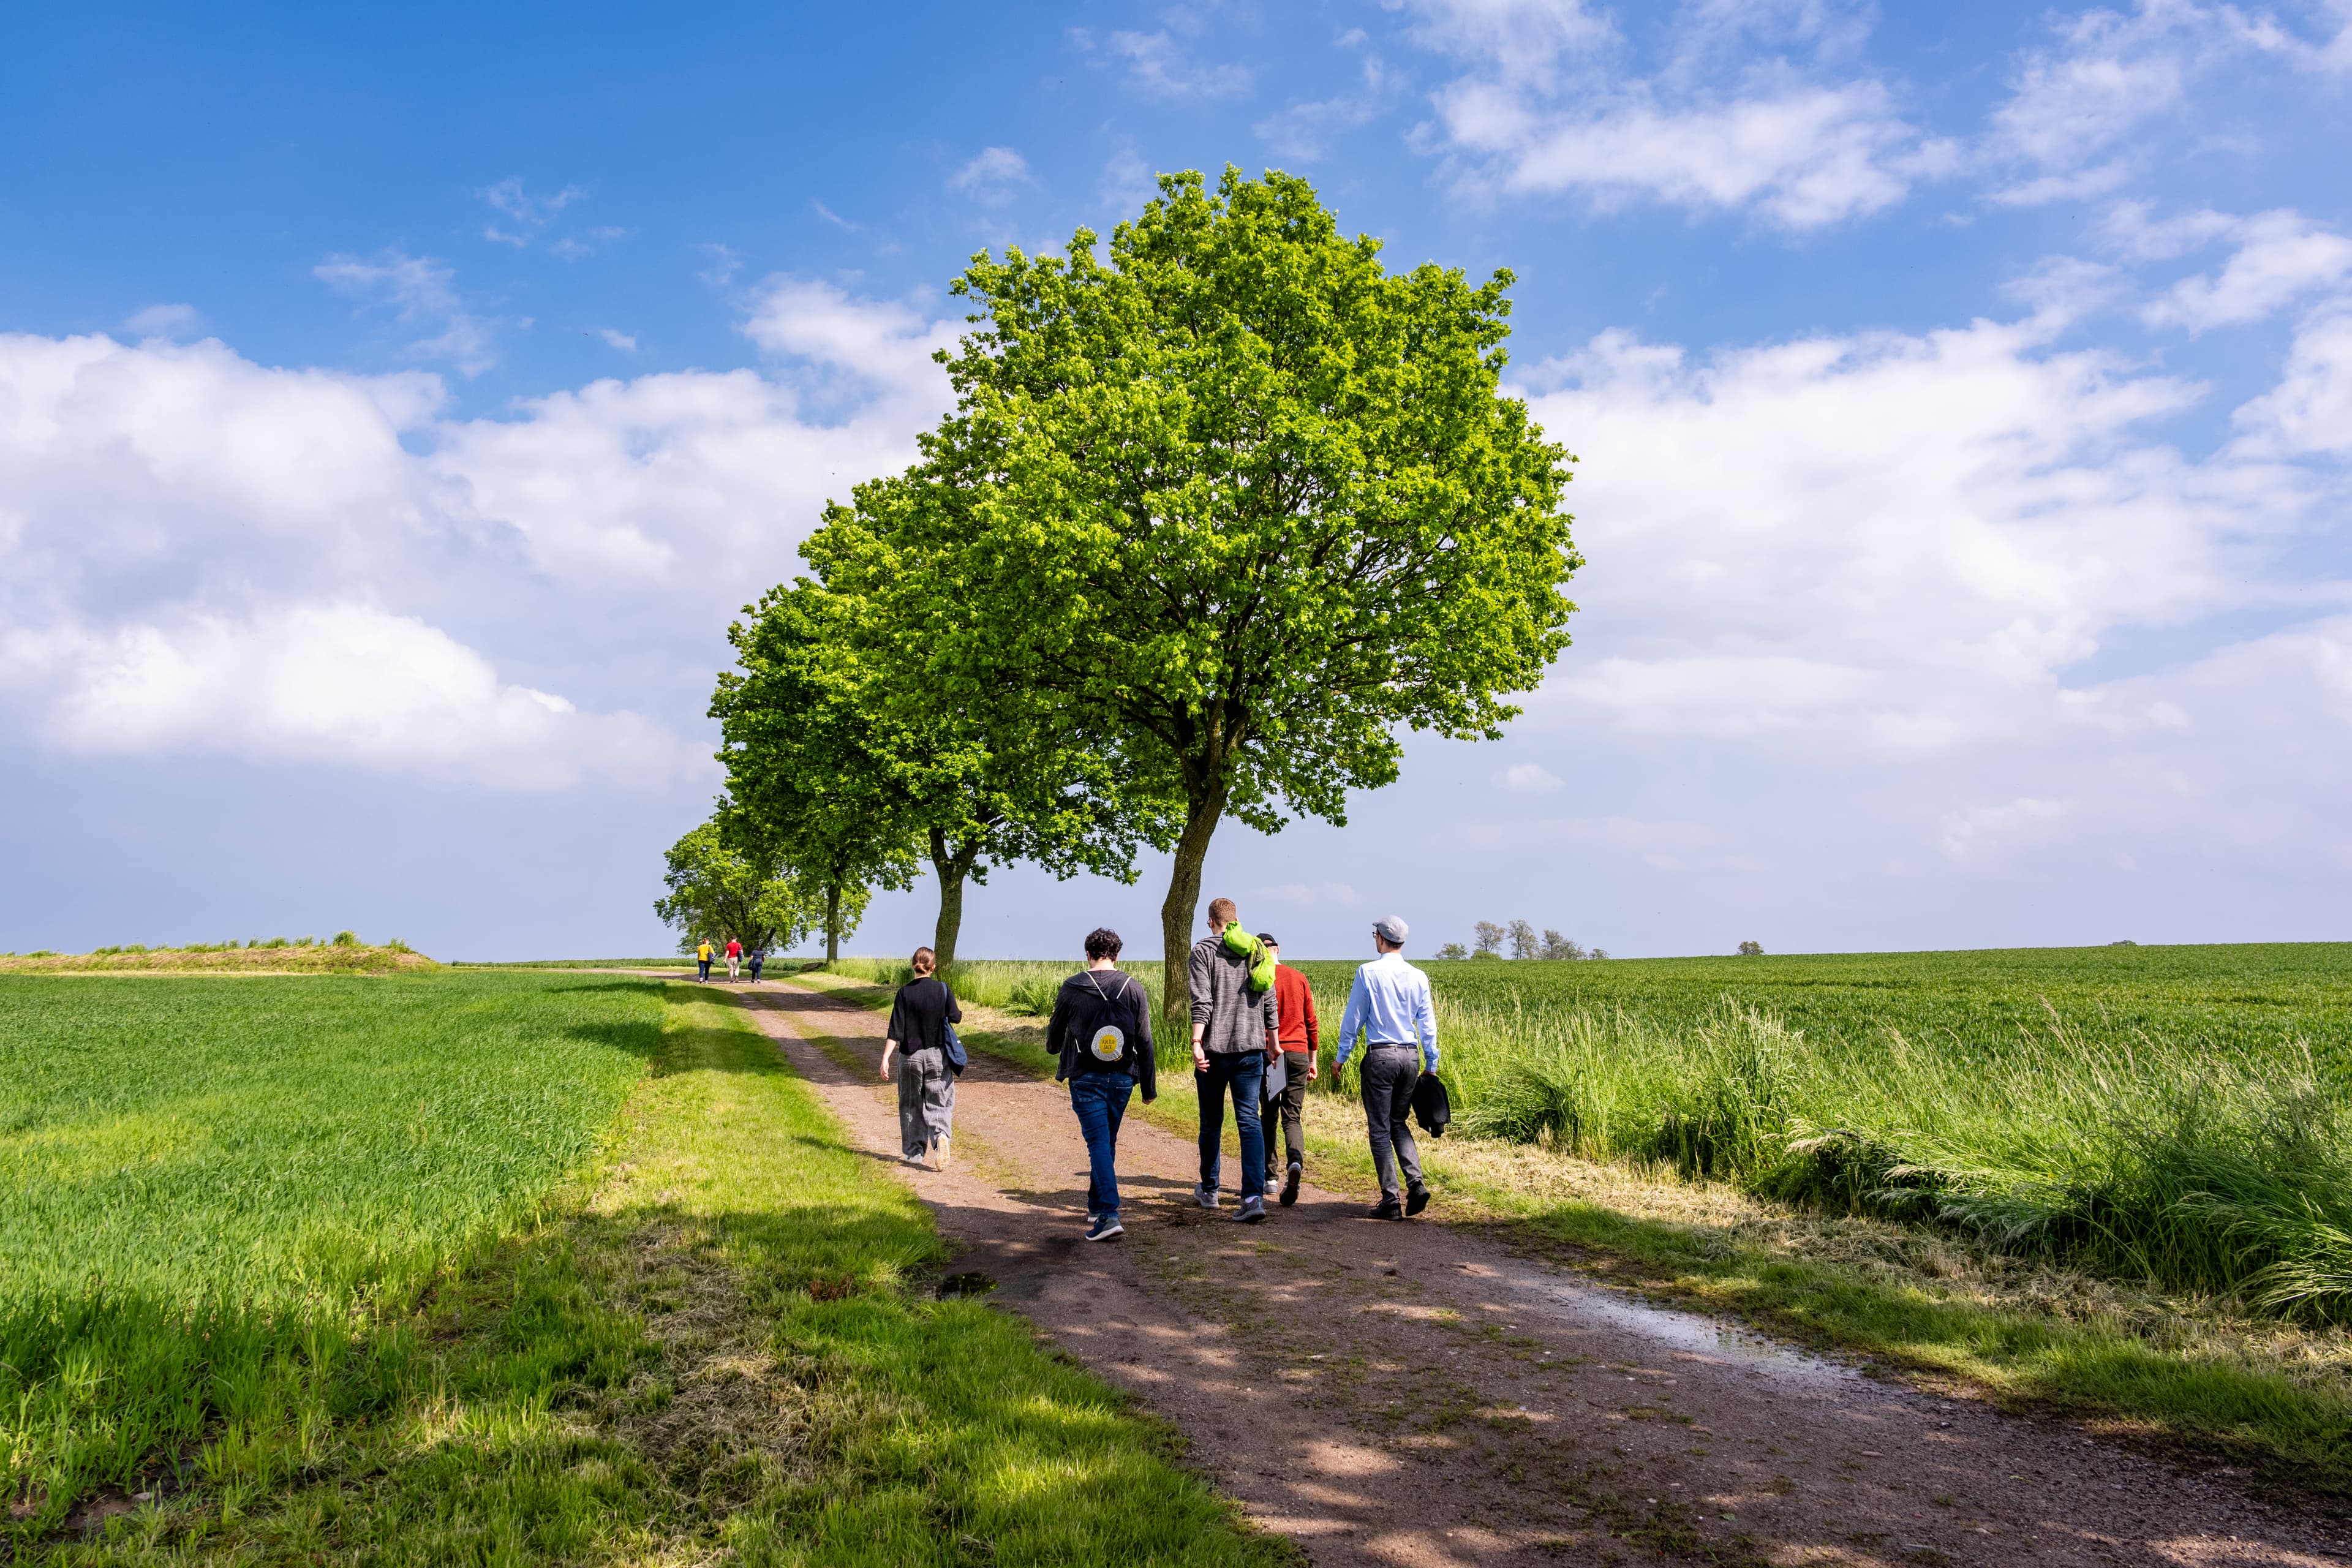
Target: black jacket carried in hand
<point>1430,1106</point>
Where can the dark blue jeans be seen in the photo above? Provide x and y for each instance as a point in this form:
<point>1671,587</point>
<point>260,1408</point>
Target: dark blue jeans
<point>1243,1074</point>
<point>1100,1101</point>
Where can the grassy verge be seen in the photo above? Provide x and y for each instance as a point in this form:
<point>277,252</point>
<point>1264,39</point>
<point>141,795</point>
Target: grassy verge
<point>1932,1305</point>
<point>724,1346</point>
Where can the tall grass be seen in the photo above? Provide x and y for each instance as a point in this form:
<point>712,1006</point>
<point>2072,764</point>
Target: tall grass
<point>2152,1158</point>
<point>1011,985</point>
<point>2176,1116</point>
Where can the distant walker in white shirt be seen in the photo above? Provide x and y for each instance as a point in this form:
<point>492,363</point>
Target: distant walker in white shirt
<point>1389,1003</point>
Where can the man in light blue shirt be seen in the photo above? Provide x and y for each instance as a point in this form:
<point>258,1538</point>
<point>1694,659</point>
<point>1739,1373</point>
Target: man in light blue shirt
<point>1389,1003</point>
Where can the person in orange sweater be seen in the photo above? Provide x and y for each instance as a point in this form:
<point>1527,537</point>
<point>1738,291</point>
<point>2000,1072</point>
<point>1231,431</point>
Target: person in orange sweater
<point>1293,1002</point>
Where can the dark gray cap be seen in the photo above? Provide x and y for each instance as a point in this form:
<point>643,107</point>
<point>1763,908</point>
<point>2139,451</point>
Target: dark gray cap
<point>1391,929</point>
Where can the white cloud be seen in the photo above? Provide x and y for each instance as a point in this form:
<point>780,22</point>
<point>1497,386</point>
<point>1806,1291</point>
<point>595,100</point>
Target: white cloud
<point>1545,109</point>
<point>1879,562</point>
<point>419,291</point>
<point>1522,40</point>
<point>832,217</point>
<point>2074,104</point>
<point>1158,64</point>
<point>1983,829</point>
<point>1304,131</point>
<point>527,214</point>
<point>1532,776</point>
<point>994,178</point>
<point>162,321</point>
<point>341,682</point>
<point>1126,183</point>
<point>578,246</point>
<point>179,524</point>
<point>2280,256</point>
<point>613,338</point>
<point>2310,410</point>
<point>1806,157</point>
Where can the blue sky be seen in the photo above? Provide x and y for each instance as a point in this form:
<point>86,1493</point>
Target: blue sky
<point>395,408</point>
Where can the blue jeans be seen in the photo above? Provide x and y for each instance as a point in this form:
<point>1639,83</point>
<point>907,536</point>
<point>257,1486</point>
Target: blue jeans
<point>1100,1101</point>
<point>1243,1073</point>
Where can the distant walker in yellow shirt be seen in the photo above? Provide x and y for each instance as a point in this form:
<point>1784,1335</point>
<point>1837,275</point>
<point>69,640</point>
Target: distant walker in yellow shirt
<point>702,958</point>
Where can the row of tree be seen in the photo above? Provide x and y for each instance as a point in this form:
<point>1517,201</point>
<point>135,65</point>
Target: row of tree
<point>1524,943</point>
<point>1216,517</point>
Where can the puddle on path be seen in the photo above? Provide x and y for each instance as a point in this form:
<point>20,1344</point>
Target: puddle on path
<point>1705,1339</point>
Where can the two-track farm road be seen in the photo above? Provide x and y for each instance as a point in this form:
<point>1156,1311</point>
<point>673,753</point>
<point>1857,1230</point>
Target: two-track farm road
<point>1416,1395</point>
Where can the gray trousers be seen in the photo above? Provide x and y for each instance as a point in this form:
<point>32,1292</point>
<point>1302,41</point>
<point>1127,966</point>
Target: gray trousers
<point>1389,1074</point>
<point>926,1099</point>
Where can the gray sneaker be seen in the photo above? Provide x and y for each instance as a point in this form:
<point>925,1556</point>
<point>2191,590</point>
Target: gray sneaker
<point>1206,1196</point>
<point>1253,1211</point>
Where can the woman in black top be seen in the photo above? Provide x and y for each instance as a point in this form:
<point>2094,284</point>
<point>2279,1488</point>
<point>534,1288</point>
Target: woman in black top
<point>917,1034</point>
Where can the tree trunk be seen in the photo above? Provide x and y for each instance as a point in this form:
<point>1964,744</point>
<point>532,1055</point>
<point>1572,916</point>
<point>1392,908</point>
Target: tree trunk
<point>1184,902</point>
<point>832,922</point>
<point>954,866</point>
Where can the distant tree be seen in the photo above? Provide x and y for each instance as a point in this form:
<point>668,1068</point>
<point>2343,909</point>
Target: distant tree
<point>1454,950</point>
<point>1489,938</point>
<point>1598,953</point>
<point>1557,946</point>
<point>821,700</point>
<point>718,891</point>
<point>1232,486</point>
<point>1751,949</point>
<point>1523,941</point>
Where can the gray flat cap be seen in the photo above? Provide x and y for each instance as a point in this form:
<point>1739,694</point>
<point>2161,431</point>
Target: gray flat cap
<point>1391,929</point>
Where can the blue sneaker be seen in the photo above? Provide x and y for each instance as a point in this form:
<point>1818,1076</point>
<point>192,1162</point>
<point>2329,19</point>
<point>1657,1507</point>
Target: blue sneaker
<point>1103,1227</point>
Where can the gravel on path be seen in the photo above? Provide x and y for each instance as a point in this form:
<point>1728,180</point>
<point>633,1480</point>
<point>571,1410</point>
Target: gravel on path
<point>1414,1394</point>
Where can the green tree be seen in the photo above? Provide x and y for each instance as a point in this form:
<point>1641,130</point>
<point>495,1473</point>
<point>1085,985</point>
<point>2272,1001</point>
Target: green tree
<point>799,758</point>
<point>718,890</point>
<point>1237,493</point>
<point>829,725</point>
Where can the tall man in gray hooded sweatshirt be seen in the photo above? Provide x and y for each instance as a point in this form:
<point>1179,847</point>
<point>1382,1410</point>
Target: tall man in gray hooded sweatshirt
<point>1234,1034</point>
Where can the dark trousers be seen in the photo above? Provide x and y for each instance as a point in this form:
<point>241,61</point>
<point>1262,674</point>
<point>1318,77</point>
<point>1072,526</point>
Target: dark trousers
<point>1389,1073</point>
<point>705,967</point>
<point>1100,1101</point>
<point>1281,1113</point>
<point>1243,1073</point>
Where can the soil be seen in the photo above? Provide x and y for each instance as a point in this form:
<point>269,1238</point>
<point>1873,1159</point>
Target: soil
<point>1416,1394</point>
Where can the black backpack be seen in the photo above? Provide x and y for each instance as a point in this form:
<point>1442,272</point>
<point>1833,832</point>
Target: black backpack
<point>1106,1022</point>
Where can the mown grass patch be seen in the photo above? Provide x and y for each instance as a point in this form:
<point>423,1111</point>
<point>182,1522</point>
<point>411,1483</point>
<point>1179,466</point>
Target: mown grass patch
<point>724,1344</point>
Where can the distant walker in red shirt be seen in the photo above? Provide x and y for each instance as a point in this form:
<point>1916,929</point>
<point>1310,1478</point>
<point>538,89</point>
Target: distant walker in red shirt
<point>734,959</point>
<point>1293,1002</point>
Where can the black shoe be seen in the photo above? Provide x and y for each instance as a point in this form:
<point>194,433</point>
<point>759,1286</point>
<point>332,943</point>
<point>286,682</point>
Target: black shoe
<point>1386,1211</point>
<point>1416,1200</point>
<point>1290,1185</point>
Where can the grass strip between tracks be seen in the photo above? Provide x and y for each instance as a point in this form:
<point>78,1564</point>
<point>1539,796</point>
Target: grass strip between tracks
<point>2250,1397</point>
<point>726,1342</point>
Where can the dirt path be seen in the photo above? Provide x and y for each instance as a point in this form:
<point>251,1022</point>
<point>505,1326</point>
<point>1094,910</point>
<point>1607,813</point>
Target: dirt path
<point>1415,1394</point>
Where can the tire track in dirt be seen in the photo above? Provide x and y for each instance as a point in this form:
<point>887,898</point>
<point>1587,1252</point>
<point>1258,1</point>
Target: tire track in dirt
<point>1415,1394</point>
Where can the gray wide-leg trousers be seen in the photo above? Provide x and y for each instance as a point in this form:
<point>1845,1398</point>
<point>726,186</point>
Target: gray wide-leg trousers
<point>926,1099</point>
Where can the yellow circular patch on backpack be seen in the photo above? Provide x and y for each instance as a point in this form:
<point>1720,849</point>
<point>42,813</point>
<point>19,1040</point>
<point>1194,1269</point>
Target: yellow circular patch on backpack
<point>1108,1041</point>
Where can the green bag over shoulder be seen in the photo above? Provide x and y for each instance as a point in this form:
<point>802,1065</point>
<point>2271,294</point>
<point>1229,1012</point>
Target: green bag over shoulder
<point>1242,944</point>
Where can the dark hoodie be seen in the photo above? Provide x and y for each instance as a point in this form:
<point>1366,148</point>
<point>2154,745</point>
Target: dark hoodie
<point>1079,1008</point>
